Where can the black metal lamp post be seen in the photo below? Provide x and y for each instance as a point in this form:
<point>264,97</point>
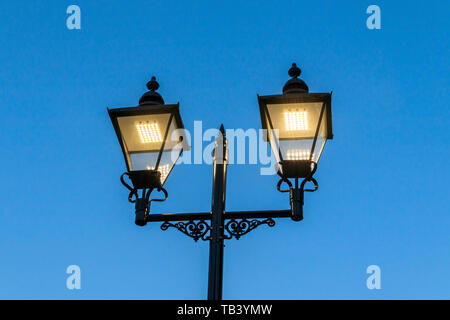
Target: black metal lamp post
<point>298,124</point>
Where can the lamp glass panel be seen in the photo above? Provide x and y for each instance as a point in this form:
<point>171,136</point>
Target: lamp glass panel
<point>143,136</point>
<point>272,137</point>
<point>295,120</point>
<point>143,133</point>
<point>171,152</point>
<point>294,128</point>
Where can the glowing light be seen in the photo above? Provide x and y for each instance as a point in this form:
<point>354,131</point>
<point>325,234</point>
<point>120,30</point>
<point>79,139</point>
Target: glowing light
<point>296,120</point>
<point>149,132</point>
<point>298,154</point>
<point>164,170</point>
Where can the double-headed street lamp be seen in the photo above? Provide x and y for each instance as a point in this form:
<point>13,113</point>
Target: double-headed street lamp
<point>151,135</point>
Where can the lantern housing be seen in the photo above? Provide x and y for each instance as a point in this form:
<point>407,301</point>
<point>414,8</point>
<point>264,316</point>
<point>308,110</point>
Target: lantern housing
<point>151,136</point>
<point>298,124</point>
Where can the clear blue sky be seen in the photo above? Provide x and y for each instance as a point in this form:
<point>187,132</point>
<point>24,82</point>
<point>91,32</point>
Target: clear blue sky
<point>383,195</point>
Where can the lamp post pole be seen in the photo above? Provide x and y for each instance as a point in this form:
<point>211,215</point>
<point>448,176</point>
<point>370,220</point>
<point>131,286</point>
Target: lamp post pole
<point>216,244</point>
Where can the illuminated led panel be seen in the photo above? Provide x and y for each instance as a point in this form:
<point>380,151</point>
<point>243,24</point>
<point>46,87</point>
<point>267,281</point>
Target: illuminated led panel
<point>296,120</point>
<point>164,170</point>
<point>149,132</point>
<point>298,154</point>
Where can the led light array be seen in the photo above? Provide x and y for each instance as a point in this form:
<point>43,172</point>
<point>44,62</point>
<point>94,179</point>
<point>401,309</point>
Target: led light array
<point>149,132</point>
<point>298,155</point>
<point>296,120</point>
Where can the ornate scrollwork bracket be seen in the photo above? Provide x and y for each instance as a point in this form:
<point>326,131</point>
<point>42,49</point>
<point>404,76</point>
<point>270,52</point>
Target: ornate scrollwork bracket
<point>234,228</point>
<point>238,228</point>
<point>195,230</point>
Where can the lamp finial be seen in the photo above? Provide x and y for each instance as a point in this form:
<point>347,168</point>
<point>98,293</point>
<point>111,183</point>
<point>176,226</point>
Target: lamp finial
<point>295,85</point>
<point>151,97</point>
<point>153,85</point>
<point>294,71</point>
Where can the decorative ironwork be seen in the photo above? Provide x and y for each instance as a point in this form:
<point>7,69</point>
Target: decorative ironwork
<point>316,185</point>
<point>133,191</point>
<point>145,192</point>
<point>196,230</point>
<point>238,228</point>
<point>234,228</point>
<point>281,182</point>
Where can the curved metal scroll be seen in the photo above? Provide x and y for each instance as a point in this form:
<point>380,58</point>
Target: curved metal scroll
<point>164,191</point>
<point>281,182</point>
<point>196,230</point>
<point>238,228</point>
<point>302,185</point>
<point>145,192</point>
<point>133,192</point>
<point>316,185</point>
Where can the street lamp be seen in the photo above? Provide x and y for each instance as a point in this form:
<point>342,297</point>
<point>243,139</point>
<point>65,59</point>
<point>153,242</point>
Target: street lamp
<point>298,123</point>
<point>151,138</point>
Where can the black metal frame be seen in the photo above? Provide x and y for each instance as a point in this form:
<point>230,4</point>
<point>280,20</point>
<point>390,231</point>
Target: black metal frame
<point>218,225</point>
